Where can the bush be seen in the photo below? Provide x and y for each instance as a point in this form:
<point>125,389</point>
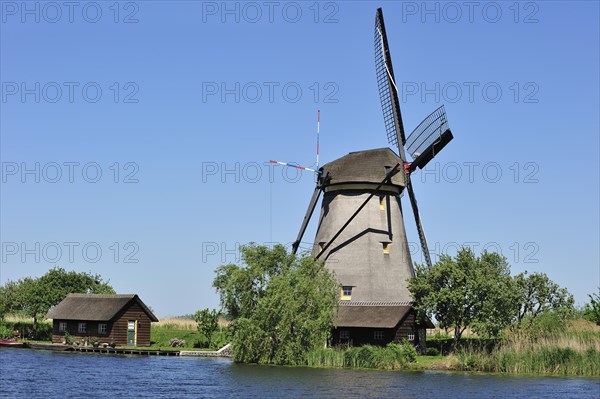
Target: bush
<point>409,353</point>
<point>432,352</point>
<point>69,339</point>
<point>5,332</point>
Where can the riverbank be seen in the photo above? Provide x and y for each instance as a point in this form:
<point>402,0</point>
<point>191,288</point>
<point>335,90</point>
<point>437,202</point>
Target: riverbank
<point>182,329</point>
<point>568,349</point>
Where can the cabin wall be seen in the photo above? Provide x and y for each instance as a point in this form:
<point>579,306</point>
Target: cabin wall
<point>58,337</point>
<point>366,335</point>
<point>136,313</point>
<point>116,329</point>
<point>362,336</point>
<point>406,328</point>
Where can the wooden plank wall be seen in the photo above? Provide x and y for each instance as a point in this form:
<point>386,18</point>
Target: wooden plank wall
<point>116,330</point>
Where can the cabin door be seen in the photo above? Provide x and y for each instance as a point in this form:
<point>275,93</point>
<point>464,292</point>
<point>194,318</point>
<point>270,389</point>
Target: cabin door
<point>131,333</point>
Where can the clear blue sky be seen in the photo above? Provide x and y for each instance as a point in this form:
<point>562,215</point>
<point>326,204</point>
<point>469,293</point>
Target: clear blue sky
<point>521,176</point>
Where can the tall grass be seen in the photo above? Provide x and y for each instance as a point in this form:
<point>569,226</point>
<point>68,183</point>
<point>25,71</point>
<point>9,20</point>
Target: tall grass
<point>573,349</point>
<point>390,357</point>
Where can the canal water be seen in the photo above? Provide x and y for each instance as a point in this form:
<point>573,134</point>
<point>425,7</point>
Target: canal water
<point>26,373</point>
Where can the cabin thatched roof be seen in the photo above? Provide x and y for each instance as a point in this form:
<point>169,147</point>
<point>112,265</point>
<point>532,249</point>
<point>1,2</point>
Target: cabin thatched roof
<point>364,167</point>
<point>371,316</point>
<point>95,307</point>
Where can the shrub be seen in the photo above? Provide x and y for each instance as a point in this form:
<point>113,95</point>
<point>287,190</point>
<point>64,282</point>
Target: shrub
<point>432,352</point>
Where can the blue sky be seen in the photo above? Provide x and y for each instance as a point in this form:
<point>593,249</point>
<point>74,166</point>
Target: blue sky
<point>136,149</point>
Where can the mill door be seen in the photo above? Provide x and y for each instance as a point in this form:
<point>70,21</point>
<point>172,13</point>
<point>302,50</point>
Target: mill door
<point>131,333</point>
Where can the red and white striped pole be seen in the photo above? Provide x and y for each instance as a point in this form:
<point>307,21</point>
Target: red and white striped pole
<point>291,165</point>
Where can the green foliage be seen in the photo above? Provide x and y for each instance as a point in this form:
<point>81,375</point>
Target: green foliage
<point>208,322</point>
<point>34,297</point>
<point>548,345</point>
<point>466,291</point>
<point>478,293</point>
<point>69,339</point>
<point>591,311</point>
<point>282,305</point>
<point>390,357</point>
<point>26,330</point>
<point>554,360</point>
<point>5,332</point>
<point>432,352</point>
<point>537,294</point>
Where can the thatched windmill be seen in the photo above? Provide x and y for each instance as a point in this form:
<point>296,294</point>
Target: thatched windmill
<point>361,234</point>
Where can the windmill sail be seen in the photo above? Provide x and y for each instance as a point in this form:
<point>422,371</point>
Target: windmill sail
<point>388,91</point>
<point>428,138</point>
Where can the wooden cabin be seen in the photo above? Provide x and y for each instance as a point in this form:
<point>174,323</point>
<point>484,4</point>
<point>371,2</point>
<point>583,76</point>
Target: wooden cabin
<point>378,324</point>
<point>121,319</point>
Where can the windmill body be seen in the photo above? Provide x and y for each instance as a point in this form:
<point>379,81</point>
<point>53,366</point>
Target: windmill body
<point>370,257</point>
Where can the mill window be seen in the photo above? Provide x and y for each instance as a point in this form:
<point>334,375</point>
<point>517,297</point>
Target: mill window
<point>411,337</point>
<point>346,293</point>
<point>82,328</point>
<point>378,334</point>
<point>386,248</point>
<point>102,328</point>
<point>62,326</point>
<point>344,334</point>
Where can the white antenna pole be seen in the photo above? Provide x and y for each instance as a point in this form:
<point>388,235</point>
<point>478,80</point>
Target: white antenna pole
<point>318,131</point>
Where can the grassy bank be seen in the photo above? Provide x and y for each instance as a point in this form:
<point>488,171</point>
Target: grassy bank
<point>573,349</point>
<point>390,357</point>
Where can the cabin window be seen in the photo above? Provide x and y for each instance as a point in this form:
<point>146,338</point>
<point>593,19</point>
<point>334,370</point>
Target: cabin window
<point>82,329</point>
<point>378,334</point>
<point>386,248</point>
<point>102,328</point>
<point>344,334</point>
<point>411,337</point>
<point>62,326</point>
<point>382,203</point>
<point>346,293</point>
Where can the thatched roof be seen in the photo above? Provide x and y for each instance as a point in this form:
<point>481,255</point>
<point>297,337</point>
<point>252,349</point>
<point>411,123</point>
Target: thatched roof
<point>364,167</point>
<point>371,316</point>
<point>94,307</point>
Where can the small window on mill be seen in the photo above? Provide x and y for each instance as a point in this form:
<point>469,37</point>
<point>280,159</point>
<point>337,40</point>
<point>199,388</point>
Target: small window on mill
<point>346,293</point>
<point>386,248</point>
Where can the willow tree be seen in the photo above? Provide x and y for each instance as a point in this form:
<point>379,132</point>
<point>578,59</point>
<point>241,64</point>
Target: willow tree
<point>282,305</point>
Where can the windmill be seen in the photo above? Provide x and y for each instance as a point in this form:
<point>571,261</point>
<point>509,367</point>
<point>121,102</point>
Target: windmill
<point>361,234</point>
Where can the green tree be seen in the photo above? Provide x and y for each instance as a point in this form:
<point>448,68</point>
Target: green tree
<point>282,305</point>
<point>466,291</point>
<point>591,311</point>
<point>538,294</point>
<point>208,322</point>
<point>34,297</point>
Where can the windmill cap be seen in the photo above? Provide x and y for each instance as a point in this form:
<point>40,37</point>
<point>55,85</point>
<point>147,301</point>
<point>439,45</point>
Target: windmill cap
<point>369,166</point>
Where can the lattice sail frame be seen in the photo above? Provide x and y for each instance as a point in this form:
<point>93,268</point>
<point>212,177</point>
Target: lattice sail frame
<point>388,91</point>
<point>427,132</point>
